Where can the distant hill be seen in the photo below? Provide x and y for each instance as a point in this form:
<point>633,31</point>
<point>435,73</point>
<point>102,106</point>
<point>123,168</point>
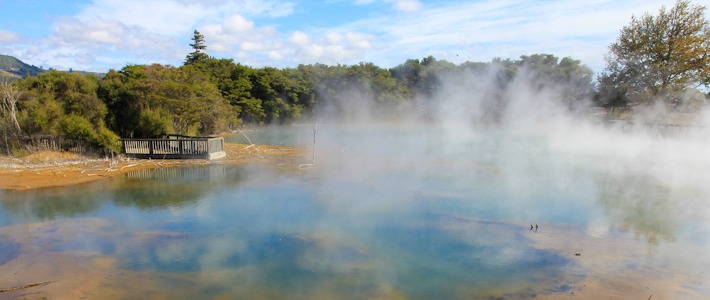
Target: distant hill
<point>13,68</point>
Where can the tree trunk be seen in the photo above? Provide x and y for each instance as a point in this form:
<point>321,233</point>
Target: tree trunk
<point>10,95</point>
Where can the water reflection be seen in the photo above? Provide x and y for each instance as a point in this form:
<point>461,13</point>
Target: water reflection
<point>368,221</point>
<point>145,189</point>
<point>8,250</point>
<point>641,204</point>
<point>50,203</point>
<point>169,187</point>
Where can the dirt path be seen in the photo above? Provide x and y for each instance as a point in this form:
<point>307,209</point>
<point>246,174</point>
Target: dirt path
<point>51,169</point>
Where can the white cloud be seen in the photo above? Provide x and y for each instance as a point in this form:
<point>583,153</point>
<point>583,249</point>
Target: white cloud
<point>8,36</point>
<point>155,31</point>
<point>299,38</point>
<point>486,29</point>
<point>157,16</point>
<point>275,55</point>
<point>98,33</point>
<point>236,24</point>
<point>172,17</point>
<point>363,2</point>
<point>406,5</point>
<point>116,32</point>
<point>252,46</point>
<point>333,37</point>
<point>399,5</point>
<point>236,31</point>
<point>329,47</point>
<point>92,33</point>
<point>359,40</point>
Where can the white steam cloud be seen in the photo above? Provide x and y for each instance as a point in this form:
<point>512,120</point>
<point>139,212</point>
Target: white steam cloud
<point>537,133</point>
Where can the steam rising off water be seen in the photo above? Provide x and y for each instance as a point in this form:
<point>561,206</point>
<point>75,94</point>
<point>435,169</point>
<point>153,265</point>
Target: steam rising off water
<point>387,211</point>
<point>410,209</point>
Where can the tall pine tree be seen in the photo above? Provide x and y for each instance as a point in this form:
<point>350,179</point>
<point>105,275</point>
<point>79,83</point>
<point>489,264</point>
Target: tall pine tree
<point>198,46</point>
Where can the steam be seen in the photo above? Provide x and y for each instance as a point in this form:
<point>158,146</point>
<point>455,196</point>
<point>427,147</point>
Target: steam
<point>533,127</point>
<point>449,179</point>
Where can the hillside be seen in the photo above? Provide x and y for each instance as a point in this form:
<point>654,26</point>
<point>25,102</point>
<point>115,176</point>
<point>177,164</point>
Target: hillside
<point>13,68</point>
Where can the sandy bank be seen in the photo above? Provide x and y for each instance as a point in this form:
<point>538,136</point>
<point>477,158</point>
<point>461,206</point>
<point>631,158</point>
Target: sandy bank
<point>52,169</point>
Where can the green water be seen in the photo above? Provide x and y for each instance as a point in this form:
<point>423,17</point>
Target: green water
<point>384,213</point>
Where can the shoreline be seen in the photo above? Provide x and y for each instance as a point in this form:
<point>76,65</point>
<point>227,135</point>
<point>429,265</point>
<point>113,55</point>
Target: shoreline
<point>60,169</point>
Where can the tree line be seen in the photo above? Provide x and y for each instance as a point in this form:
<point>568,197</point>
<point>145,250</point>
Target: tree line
<point>657,58</point>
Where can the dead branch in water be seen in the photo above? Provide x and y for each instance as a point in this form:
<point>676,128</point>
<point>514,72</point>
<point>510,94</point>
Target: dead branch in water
<point>27,286</point>
<point>248,139</point>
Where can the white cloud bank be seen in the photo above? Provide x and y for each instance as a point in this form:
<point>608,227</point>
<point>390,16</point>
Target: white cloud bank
<point>9,36</point>
<point>111,33</point>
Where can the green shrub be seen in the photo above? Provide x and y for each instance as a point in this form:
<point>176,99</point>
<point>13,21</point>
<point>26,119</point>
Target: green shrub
<point>152,124</point>
<point>79,128</point>
<point>109,140</point>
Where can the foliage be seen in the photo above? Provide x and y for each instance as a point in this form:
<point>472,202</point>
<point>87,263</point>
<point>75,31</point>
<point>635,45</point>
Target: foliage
<point>108,139</point>
<point>198,45</point>
<point>121,93</point>
<point>78,128</point>
<point>148,101</point>
<point>658,57</point>
<point>422,78</point>
<point>64,103</point>
<point>570,77</point>
<point>351,91</point>
<point>266,95</point>
<point>153,123</point>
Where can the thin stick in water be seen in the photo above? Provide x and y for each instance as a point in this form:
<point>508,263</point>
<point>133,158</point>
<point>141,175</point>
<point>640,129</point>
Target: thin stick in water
<point>26,286</point>
<point>315,128</point>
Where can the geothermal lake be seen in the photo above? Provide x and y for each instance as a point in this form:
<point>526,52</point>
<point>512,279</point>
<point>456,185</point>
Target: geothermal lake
<point>386,212</point>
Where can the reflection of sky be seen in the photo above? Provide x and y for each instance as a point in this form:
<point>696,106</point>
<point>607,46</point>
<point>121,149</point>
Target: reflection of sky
<point>373,218</point>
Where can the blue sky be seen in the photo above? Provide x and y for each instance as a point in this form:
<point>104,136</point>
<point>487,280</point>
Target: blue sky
<point>97,35</point>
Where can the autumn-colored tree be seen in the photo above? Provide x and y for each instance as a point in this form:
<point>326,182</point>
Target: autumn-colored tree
<point>657,57</point>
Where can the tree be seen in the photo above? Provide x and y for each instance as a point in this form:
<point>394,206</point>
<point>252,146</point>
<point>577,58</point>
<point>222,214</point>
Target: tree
<point>63,103</point>
<point>570,77</point>
<point>658,57</point>
<point>198,45</point>
<point>148,101</point>
<point>9,95</point>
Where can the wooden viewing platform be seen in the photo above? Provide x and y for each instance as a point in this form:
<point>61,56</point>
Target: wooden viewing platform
<point>175,147</point>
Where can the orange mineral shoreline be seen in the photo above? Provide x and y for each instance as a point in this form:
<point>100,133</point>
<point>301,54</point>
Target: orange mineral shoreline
<point>54,169</point>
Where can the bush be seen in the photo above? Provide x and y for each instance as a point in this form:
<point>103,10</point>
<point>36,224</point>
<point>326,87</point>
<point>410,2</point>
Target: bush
<point>109,140</point>
<point>152,124</point>
<point>78,128</point>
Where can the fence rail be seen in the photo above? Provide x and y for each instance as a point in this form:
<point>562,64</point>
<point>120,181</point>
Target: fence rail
<point>175,147</point>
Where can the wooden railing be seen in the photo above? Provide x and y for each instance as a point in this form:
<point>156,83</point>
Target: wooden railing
<point>175,147</point>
